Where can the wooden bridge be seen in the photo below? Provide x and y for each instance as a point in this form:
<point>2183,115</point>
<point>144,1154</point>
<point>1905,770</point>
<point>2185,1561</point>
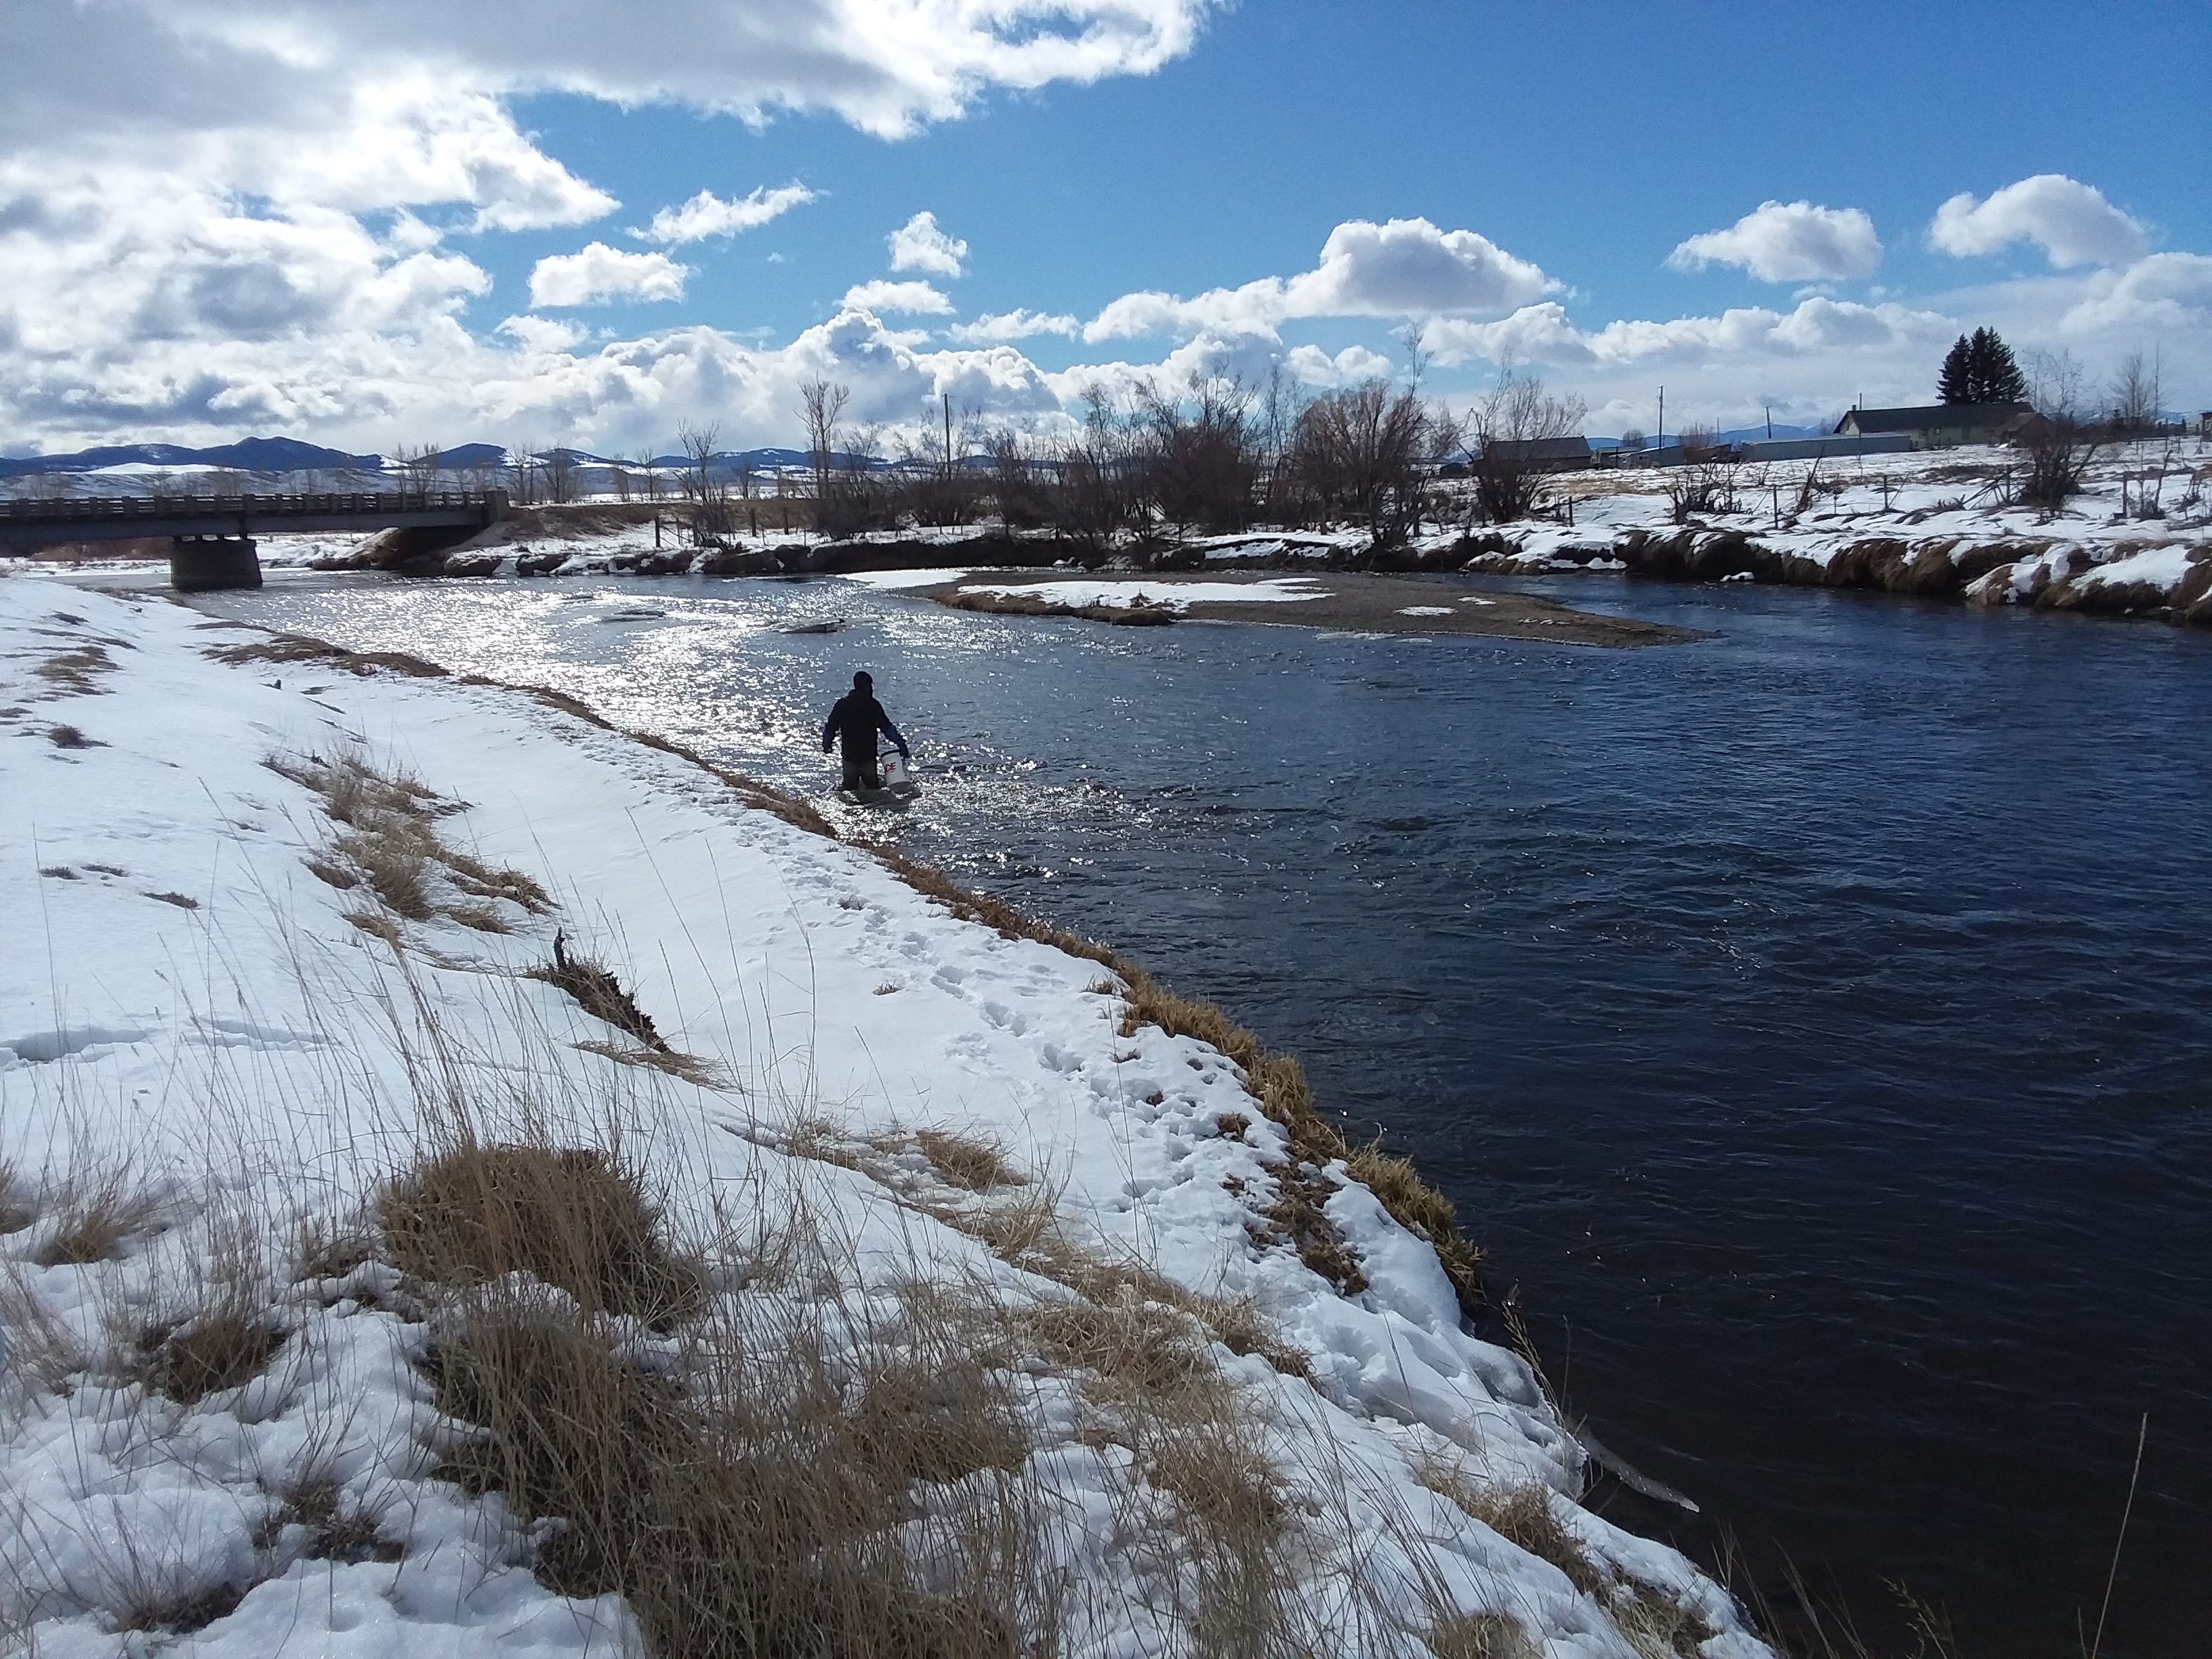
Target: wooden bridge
<point>211,537</point>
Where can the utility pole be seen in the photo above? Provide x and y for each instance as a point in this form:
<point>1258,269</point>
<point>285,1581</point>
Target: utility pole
<point>948,439</point>
<point>1659,438</point>
<point>1770,423</point>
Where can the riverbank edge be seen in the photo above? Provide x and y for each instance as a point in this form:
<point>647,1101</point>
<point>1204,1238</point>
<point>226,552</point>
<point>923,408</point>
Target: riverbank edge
<point>2040,572</point>
<point>1276,1080</point>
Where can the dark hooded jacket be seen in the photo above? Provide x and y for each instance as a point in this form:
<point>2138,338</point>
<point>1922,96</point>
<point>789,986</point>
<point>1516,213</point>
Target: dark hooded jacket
<point>855,722</point>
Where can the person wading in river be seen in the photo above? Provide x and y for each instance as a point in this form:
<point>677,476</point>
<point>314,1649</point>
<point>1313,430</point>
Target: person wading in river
<point>855,722</point>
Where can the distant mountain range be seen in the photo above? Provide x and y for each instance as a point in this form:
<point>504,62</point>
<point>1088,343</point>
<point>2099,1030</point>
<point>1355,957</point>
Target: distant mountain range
<point>277,455</point>
<point>247,455</point>
<point>268,455</point>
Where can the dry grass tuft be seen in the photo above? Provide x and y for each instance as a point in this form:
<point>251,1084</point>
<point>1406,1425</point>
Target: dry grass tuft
<point>377,923</point>
<point>1481,1636</point>
<point>93,1216</point>
<point>75,673</point>
<point>1524,1517</point>
<point>332,873</point>
<point>392,857</point>
<point>180,1612</point>
<point>182,901</point>
<point>328,1251</point>
<point>472,875</point>
<point>18,1209</point>
<point>599,993</point>
<point>573,1218</point>
<point>225,1350</point>
<point>1652,1622</point>
<point>1423,1212</point>
<point>691,1068</point>
<point>301,648</point>
<point>965,1161</point>
<point>68,737</point>
<point>767,1508</point>
<point>392,843</point>
<point>337,1528</point>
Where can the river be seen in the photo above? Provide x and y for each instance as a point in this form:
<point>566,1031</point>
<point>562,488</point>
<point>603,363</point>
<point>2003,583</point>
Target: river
<point>1814,1022</point>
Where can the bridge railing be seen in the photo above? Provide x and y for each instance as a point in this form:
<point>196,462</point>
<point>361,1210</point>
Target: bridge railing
<point>67,509</point>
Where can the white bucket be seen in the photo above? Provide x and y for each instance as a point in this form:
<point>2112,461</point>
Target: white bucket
<point>894,770</point>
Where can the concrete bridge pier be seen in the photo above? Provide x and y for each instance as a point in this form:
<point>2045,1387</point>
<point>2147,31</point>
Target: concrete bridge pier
<point>200,564</point>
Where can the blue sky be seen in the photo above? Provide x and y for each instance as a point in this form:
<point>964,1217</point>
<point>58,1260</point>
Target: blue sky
<point>1557,156</point>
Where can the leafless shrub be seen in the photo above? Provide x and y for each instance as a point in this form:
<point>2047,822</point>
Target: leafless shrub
<point>68,737</point>
<point>1362,452</point>
<point>1201,451</point>
<point>1703,487</point>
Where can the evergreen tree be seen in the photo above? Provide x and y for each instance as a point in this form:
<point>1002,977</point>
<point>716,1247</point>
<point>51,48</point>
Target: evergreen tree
<point>1993,376</point>
<point>1954,383</point>
<point>1980,369</point>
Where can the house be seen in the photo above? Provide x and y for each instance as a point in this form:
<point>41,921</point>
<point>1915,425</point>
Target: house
<point>1539,454</point>
<point>1935,426</point>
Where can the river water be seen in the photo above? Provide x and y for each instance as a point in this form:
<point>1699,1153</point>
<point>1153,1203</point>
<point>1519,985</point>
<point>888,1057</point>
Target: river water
<point>1814,1022</point>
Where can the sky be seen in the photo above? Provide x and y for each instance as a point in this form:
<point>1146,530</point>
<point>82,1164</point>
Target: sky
<point>388,222</point>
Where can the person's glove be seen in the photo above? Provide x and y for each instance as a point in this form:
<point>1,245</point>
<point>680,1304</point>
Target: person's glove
<point>905,754</point>
<point>827,747</point>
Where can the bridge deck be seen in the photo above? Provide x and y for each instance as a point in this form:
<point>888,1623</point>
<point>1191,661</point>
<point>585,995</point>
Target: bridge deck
<point>116,518</point>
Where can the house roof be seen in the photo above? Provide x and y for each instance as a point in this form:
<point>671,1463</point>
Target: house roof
<point>1930,416</point>
<point>1539,449</point>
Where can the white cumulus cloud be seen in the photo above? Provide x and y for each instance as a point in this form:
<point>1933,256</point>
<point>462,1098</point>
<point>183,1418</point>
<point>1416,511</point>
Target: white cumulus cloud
<point>2070,221</point>
<point>1406,268</point>
<point>598,273</point>
<point>1016,325</point>
<point>2165,292</point>
<point>918,245</point>
<point>896,299</point>
<point>1789,242</point>
<point>708,215</point>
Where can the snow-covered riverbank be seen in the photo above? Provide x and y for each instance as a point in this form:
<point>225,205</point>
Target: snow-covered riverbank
<point>240,1000</point>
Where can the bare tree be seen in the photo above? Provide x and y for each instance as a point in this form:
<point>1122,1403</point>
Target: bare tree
<point>418,465</point>
<point>2058,443</point>
<point>1363,451</point>
<point>561,474</point>
<point>522,476</point>
<point>1506,428</point>
<point>821,405</point>
<point>707,495</point>
<point>1201,452</point>
<point>2138,394</point>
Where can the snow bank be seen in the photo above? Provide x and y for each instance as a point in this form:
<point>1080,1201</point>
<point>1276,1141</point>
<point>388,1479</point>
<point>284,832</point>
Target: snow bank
<point>1122,592</point>
<point>188,997</point>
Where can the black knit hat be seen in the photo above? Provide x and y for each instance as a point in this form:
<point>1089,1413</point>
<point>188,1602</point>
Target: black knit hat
<point>863,680</point>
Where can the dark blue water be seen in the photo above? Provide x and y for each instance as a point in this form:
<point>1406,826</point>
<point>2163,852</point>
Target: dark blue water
<point>1814,1022</point>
